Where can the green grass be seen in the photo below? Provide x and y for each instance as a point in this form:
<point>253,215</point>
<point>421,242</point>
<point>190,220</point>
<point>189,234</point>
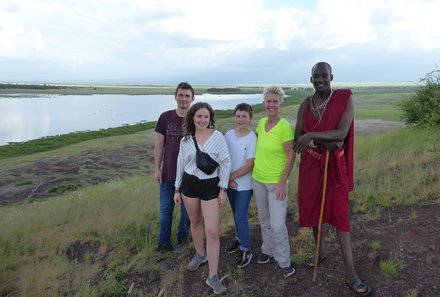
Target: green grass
<point>391,266</point>
<point>396,168</point>
<point>376,245</point>
<point>380,105</point>
<point>35,236</point>
<point>388,267</point>
<point>44,144</point>
<point>412,293</point>
<point>121,217</point>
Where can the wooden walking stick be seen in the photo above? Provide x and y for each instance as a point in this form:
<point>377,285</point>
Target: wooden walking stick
<point>321,214</point>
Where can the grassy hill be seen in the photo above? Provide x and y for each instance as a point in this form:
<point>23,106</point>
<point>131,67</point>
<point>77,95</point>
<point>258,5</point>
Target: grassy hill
<point>100,240</point>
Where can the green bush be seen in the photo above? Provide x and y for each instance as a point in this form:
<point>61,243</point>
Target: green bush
<point>61,189</point>
<point>423,109</point>
<point>114,284</point>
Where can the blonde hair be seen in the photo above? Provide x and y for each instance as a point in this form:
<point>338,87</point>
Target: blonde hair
<point>277,90</point>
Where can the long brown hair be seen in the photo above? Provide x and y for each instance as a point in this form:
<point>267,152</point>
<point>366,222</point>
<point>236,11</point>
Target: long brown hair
<point>189,127</point>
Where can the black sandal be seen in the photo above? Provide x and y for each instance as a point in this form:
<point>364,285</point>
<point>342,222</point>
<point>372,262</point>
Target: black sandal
<point>359,287</point>
<point>309,262</point>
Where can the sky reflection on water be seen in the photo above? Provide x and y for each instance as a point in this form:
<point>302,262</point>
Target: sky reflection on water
<point>24,118</point>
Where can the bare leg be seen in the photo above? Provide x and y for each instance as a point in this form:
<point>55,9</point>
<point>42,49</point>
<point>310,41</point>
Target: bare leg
<point>211,216</point>
<point>195,216</point>
<point>347,253</point>
<point>351,275</point>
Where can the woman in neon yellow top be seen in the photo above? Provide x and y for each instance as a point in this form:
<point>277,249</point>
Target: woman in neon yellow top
<point>274,160</point>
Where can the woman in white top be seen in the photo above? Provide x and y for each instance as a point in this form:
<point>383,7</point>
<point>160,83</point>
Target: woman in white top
<point>241,143</point>
<point>203,194</point>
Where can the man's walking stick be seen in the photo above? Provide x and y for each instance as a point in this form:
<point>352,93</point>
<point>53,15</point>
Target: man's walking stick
<point>321,214</point>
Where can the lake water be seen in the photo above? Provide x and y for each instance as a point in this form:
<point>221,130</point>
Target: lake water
<point>26,117</point>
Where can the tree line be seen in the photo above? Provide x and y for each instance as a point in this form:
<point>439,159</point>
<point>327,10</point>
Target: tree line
<point>30,86</point>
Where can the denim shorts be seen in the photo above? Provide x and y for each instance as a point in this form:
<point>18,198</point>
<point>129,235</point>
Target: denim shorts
<point>205,189</point>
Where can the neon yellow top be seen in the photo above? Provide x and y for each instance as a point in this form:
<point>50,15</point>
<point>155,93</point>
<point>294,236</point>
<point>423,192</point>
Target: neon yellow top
<point>270,158</point>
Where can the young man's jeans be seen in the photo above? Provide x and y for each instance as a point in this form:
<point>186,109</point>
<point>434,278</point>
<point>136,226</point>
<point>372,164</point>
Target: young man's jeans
<point>239,201</point>
<point>166,215</point>
<point>272,217</point>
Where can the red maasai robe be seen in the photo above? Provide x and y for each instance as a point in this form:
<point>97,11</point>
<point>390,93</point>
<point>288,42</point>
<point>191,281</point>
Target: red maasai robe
<point>339,174</point>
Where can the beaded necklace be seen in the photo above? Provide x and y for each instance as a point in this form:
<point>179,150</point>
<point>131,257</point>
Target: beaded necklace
<point>322,106</point>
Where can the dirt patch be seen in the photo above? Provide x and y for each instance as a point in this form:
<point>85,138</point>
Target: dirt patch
<point>368,126</point>
<point>54,176</point>
<point>410,236</point>
<point>82,251</point>
<point>375,126</point>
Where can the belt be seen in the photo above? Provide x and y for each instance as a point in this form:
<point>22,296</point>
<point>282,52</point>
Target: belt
<point>318,156</point>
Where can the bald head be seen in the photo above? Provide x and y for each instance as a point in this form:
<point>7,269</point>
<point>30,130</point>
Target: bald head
<point>321,77</point>
<point>322,64</point>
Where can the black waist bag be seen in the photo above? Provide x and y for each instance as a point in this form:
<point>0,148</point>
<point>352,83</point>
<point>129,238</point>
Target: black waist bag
<point>204,161</point>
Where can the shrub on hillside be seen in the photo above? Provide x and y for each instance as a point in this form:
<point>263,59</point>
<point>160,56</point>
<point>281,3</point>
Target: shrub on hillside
<point>423,109</point>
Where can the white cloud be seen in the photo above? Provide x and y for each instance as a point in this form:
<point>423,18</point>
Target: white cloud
<point>158,40</point>
<point>343,22</point>
<point>413,24</point>
<point>227,20</point>
<point>10,31</point>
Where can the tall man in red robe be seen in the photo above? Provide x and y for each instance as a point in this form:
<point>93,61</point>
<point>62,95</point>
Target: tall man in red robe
<point>325,122</point>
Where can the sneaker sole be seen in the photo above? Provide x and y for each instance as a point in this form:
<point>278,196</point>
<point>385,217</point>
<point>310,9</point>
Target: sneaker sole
<point>200,263</point>
<point>264,262</point>
<point>231,252</point>
<point>290,274</point>
<point>245,264</point>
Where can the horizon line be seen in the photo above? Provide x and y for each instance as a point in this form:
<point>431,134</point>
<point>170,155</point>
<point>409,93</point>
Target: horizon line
<point>146,85</point>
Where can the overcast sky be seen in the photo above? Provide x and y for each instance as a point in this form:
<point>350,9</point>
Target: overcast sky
<point>217,42</point>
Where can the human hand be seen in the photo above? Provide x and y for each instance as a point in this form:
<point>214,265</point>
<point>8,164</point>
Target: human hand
<point>232,184</point>
<point>177,198</point>
<point>158,176</point>
<point>280,191</point>
<point>221,198</point>
<point>301,143</point>
<point>331,145</point>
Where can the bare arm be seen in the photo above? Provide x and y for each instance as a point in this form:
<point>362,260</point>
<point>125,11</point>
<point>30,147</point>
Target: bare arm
<point>247,167</point>
<point>158,155</point>
<point>336,135</point>
<point>299,120</point>
<point>280,187</point>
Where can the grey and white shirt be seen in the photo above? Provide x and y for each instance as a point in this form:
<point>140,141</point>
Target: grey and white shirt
<point>216,147</point>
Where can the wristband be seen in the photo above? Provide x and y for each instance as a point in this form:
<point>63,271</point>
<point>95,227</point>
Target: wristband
<point>223,189</point>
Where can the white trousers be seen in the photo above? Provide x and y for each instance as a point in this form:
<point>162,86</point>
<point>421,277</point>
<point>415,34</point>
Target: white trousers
<point>272,217</point>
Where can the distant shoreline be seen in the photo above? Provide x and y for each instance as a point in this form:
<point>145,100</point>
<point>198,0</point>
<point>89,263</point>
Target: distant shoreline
<point>59,89</point>
<point>91,89</point>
